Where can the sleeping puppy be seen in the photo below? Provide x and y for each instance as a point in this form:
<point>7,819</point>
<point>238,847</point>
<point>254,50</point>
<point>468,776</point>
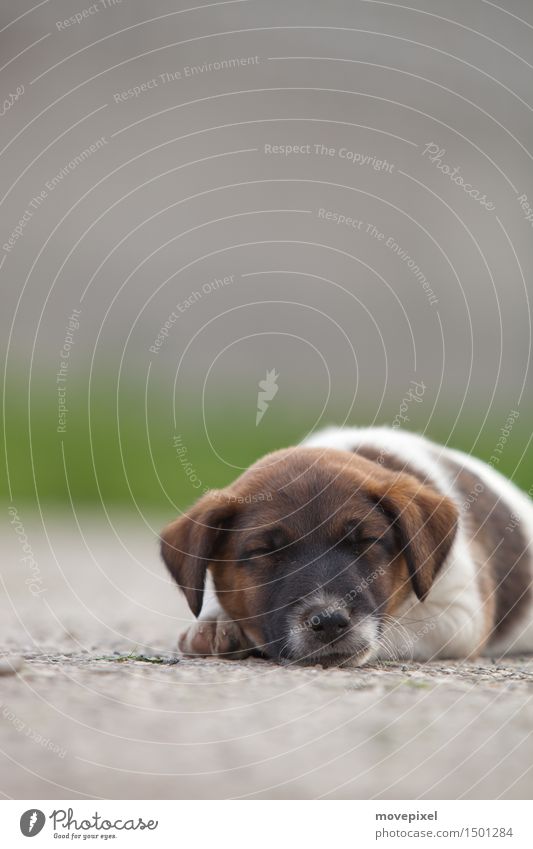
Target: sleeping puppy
<point>355,546</point>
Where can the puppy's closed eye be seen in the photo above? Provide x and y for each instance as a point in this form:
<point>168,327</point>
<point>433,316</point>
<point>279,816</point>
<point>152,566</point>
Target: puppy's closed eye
<point>262,546</point>
<point>362,540</point>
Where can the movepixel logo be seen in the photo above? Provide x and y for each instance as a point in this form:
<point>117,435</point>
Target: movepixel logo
<point>32,822</point>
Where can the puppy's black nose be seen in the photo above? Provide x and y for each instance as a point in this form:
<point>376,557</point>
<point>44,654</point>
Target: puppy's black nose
<point>330,624</point>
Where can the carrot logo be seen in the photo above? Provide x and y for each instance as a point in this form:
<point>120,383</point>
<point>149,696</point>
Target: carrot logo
<point>267,390</point>
<point>32,822</point>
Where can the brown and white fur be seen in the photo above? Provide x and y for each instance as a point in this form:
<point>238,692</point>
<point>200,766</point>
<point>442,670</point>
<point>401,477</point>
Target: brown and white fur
<point>359,544</point>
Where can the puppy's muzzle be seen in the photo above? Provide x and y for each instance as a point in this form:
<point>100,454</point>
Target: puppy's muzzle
<point>331,635</point>
<point>329,626</point>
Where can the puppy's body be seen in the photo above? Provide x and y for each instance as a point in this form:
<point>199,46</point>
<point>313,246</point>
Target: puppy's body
<point>440,563</point>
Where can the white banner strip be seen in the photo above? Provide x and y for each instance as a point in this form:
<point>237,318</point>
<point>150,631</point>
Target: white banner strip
<point>267,824</point>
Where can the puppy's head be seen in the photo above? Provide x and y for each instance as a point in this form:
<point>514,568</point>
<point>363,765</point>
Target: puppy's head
<point>311,550</point>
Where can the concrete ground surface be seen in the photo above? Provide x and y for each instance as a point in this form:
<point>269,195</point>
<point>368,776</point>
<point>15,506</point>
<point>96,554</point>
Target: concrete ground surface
<point>95,703</point>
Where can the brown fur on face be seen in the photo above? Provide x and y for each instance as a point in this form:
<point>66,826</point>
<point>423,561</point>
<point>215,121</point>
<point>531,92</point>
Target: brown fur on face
<point>305,527</point>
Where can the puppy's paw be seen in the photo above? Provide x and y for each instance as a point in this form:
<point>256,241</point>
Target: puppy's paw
<point>221,637</point>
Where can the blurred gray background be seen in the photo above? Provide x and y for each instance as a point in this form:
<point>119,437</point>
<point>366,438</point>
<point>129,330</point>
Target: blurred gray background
<point>182,191</point>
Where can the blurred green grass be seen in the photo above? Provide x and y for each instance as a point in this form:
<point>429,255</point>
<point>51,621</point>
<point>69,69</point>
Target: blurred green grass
<point>121,460</point>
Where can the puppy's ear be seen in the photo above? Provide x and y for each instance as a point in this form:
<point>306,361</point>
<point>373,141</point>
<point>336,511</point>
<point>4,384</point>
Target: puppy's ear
<point>425,523</point>
<point>191,541</point>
